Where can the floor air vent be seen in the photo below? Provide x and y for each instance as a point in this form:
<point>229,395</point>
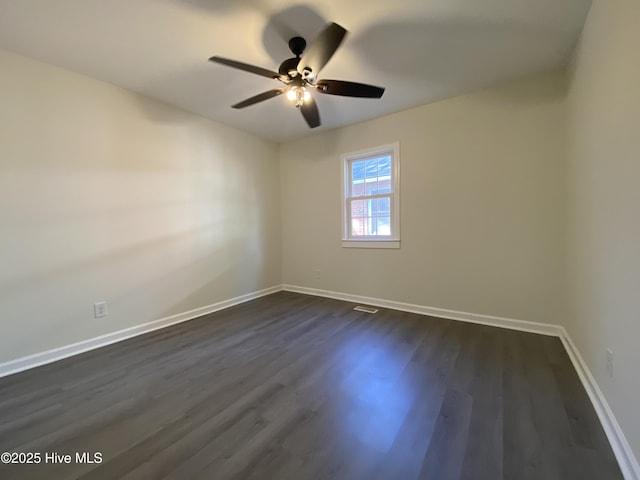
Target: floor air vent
<point>361,308</point>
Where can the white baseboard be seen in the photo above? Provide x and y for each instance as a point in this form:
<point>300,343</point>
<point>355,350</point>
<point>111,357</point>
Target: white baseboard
<point>522,325</point>
<point>619,444</point>
<point>42,358</point>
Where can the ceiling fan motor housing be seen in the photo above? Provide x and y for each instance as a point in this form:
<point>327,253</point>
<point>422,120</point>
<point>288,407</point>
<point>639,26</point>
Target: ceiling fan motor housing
<point>289,67</point>
<point>297,45</point>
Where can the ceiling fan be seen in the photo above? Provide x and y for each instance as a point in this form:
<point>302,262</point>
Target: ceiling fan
<point>299,75</point>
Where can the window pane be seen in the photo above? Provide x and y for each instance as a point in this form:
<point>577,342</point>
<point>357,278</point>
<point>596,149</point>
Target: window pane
<point>371,207</point>
<point>371,168</point>
<point>359,208</point>
<point>358,216</point>
<point>357,188</point>
<point>357,226</point>
<point>357,178</point>
<point>384,226</point>
<point>357,170</point>
<point>384,185</point>
<point>371,187</point>
<point>384,206</point>
<point>364,226</point>
<point>384,166</point>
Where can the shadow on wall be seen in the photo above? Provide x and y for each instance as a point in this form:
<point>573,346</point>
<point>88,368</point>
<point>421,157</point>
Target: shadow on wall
<point>149,279</point>
<point>64,283</point>
<point>113,259</point>
<point>216,267</point>
<point>141,303</point>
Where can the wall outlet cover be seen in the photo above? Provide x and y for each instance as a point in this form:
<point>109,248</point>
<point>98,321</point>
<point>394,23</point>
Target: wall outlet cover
<point>609,365</point>
<point>100,309</point>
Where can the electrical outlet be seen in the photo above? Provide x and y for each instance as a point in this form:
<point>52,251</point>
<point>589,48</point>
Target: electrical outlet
<point>317,274</point>
<point>610,363</point>
<point>100,309</point>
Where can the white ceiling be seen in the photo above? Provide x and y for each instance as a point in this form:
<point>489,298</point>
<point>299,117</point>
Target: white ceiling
<point>420,50</point>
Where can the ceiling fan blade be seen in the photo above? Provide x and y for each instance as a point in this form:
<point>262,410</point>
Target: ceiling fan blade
<point>309,111</point>
<point>349,89</point>
<point>259,98</point>
<point>246,67</point>
<point>321,50</point>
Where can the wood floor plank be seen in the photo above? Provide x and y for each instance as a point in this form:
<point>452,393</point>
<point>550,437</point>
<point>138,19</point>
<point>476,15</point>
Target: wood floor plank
<point>522,454</point>
<point>449,439</point>
<point>484,455</point>
<point>294,386</point>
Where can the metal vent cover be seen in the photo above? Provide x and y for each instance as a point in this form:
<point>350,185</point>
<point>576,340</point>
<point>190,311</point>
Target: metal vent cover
<point>362,308</point>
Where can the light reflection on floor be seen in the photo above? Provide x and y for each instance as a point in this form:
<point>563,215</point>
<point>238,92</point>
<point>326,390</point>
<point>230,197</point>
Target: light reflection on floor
<point>378,394</point>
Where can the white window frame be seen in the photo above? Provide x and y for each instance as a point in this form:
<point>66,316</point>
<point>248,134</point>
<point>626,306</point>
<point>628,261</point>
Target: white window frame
<point>377,241</point>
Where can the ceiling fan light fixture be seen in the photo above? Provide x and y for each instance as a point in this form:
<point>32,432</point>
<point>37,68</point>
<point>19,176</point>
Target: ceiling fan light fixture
<point>299,95</point>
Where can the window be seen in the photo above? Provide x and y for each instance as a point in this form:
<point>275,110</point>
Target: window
<point>371,198</point>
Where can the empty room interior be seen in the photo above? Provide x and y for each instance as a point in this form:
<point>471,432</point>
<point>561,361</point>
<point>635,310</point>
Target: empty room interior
<point>268,239</point>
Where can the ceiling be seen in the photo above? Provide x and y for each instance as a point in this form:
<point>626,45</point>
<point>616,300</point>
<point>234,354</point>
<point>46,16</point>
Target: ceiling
<point>420,50</point>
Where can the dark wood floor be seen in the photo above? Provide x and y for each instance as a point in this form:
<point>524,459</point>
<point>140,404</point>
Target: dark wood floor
<point>297,387</point>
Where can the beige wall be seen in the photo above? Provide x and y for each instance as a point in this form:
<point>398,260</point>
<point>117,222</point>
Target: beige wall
<point>604,204</point>
<point>482,180</point>
<point>106,195</point>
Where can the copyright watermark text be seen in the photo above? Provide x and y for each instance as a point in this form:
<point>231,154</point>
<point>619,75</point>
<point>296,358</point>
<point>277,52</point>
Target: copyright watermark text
<point>25,458</point>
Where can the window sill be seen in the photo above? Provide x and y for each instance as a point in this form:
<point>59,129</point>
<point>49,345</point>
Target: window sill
<point>371,243</point>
